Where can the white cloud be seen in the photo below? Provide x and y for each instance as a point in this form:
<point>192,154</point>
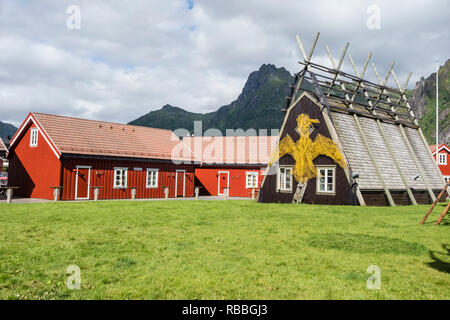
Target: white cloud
<point>132,57</point>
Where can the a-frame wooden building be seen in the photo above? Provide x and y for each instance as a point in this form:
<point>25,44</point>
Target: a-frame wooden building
<point>347,140</point>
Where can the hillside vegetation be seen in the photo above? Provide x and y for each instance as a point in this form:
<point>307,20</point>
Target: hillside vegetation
<point>424,103</point>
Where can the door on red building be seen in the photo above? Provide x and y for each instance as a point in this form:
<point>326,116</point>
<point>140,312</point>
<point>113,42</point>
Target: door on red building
<point>224,181</point>
<point>180,183</point>
<point>82,182</point>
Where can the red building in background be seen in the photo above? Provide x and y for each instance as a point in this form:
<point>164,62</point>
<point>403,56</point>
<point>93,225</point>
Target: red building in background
<point>237,163</point>
<point>443,154</point>
<point>81,155</point>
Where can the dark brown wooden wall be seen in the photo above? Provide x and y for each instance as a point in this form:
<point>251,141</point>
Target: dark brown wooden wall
<point>379,198</point>
<point>268,191</point>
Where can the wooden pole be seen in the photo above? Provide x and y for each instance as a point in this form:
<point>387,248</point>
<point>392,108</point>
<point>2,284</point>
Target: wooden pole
<point>386,140</point>
<point>383,134</point>
<point>435,202</point>
<point>361,132</point>
<point>197,191</point>
<point>402,130</point>
<point>443,214</point>
<point>9,194</point>
<point>375,165</point>
<point>425,143</point>
<point>335,138</point>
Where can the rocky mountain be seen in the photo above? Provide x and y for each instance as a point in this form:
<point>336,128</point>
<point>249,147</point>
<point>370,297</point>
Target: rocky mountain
<point>6,131</point>
<point>423,102</point>
<point>258,106</point>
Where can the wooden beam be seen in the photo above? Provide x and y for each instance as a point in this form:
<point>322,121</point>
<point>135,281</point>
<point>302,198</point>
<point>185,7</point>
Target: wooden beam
<point>435,202</point>
<point>307,61</point>
<point>335,138</point>
<point>336,67</point>
<point>424,141</point>
<point>301,48</point>
<point>372,158</point>
<point>447,208</point>
<point>397,165</point>
<point>369,87</point>
<point>405,137</point>
<point>354,78</point>
<point>383,134</point>
<point>416,161</point>
<point>357,73</point>
<point>363,136</point>
<point>313,46</point>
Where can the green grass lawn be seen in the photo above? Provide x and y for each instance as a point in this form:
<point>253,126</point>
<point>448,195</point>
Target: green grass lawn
<point>221,250</point>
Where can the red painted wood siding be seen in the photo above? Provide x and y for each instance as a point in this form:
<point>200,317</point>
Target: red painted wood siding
<point>102,174</point>
<point>209,179</point>
<point>33,169</point>
<point>445,168</point>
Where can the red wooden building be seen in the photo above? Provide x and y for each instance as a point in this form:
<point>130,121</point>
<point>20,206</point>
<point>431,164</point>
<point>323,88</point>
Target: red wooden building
<point>443,153</point>
<point>79,155</point>
<point>237,163</point>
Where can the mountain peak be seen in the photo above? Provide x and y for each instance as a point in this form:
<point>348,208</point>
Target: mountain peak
<point>266,74</point>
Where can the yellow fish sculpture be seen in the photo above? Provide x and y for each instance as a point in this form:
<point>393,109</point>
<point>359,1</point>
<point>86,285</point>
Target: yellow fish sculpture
<point>305,150</point>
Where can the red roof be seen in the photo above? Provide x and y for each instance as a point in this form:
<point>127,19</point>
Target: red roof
<point>2,146</point>
<point>440,146</point>
<point>233,149</point>
<point>90,137</point>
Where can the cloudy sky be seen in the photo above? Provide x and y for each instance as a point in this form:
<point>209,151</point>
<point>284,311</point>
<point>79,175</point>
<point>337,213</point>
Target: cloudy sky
<point>131,57</point>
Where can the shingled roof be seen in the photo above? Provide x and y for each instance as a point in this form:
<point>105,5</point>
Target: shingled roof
<point>244,150</point>
<point>97,138</point>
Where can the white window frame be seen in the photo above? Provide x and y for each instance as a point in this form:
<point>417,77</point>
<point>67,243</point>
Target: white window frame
<point>444,158</point>
<point>326,191</point>
<point>34,134</point>
<point>124,184</point>
<point>255,181</point>
<point>156,173</point>
<point>281,185</point>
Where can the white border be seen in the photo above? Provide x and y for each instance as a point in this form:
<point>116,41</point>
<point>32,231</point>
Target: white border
<point>126,177</point>
<point>439,158</point>
<point>89,183</point>
<point>218,182</point>
<point>246,180</point>
<point>325,167</point>
<point>278,187</point>
<point>443,146</point>
<point>176,182</point>
<point>32,131</point>
<point>157,178</point>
